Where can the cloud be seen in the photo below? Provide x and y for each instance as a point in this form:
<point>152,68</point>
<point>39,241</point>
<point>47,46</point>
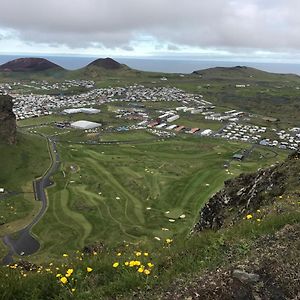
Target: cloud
<point>220,24</point>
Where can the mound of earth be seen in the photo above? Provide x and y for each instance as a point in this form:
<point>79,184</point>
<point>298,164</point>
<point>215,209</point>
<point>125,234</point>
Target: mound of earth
<point>29,65</point>
<point>7,121</point>
<point>106,63</point>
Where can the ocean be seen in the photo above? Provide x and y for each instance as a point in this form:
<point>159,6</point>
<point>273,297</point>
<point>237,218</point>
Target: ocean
<point>184,66</point>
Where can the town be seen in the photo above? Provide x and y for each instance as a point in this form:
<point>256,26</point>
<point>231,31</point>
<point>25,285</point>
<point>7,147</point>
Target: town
<point>161,122</point>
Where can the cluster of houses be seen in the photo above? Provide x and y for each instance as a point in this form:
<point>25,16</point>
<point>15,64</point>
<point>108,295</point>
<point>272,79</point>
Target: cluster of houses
<point>285,140</point>
<point>33,105</point>
<point>261,135</point>
<point>162,133</point>
<point>46,86</point>
<point>231,116</point>
<point>28,106</point>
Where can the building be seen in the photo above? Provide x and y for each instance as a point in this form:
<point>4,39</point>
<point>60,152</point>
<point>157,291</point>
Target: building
<point>85,125</point>
<point>238,156</point>
<point>84,110</point>
<point>206,132</point>
<point>173,118</point>
<point>194,130</point>
<point>179,128</point>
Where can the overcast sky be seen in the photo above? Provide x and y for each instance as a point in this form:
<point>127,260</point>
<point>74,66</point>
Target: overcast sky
<point>259,29</point>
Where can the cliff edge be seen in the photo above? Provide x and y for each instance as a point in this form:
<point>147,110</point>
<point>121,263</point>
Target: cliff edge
<point>7,121</point>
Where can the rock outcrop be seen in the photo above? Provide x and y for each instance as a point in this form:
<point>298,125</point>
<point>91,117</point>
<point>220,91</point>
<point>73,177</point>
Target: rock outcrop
<point>7,121</point>
<point>247,193</point>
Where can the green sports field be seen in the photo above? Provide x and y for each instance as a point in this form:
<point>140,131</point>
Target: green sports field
<point>135,191</point>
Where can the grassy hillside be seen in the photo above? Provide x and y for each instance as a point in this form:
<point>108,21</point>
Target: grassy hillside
<point>263,246</point>
<point>131,191</point>
<point>20,165</point>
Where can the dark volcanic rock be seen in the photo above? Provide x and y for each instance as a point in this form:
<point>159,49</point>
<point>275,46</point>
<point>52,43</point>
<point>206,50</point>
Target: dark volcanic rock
<point>29,64</point>
<point>106,63</point>
<point>7,121</point>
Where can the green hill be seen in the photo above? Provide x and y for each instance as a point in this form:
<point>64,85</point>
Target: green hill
<point>243,73</point>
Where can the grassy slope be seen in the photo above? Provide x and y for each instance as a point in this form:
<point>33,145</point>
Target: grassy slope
<point>20,164</point>
<point>166,176</point>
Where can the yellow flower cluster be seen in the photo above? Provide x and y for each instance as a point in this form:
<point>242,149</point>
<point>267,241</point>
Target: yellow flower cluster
<point>251,216</point>
<point>141,265</point>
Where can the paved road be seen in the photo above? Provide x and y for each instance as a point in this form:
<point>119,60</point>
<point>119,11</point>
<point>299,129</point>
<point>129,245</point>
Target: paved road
<point>22,242</point>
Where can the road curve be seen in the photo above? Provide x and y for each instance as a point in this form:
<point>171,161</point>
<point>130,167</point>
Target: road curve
<point>23,242</point>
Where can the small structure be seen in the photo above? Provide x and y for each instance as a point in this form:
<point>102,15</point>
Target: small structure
<point>179,128</point>
<point>238,156</point>
<point>194,130</point>
<point>84,110</point>
<point>85,125</point>
<point>173,118</point>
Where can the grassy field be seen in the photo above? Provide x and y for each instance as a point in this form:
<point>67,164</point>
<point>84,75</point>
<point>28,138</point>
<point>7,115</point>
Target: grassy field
<point>20,165</point>
<point>130,192</point>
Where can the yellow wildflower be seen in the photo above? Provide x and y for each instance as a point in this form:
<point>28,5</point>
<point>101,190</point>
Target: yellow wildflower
<point>147,272</point>
<point>249,217</point>
<point>126,263</point>
<point>70,271</point>
<point>131,263</point>
<point>146,254</point>
<point>150,265</point>
<point>141,269</point>
<point>58,275</point>
<point>73,290</point>
<point>64,280</point>
<point>258,220</point>
<point>116,264</point>
<point>138,253</point>
<point>169,241</point>
<point>137,263</point>
<point>88,269</point>
<point>119,254</point>
<point>65,255</point>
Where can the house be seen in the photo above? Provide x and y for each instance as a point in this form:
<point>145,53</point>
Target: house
<point>238,156</point>
<point>179,128</point>
<point>194,130</point>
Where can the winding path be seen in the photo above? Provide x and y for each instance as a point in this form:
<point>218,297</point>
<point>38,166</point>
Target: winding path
<point>23,242</point>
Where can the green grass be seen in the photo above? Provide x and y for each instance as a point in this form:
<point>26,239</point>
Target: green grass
<point>198,121</point>
<point>183,259</point>
<point>105,195</point>
<point>20,165</point>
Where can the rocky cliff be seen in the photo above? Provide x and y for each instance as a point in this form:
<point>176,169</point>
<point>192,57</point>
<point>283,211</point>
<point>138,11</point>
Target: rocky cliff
<point>248,192</point>
<point>7,121</point>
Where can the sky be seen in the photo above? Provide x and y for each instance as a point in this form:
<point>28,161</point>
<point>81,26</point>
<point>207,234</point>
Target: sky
<point>259,30</point>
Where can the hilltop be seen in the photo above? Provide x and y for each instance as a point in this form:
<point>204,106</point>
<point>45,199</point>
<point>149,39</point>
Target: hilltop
<point>242,72</point>
<point>7,121</point>
<point>106,63</point>
<point>29,65</point>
